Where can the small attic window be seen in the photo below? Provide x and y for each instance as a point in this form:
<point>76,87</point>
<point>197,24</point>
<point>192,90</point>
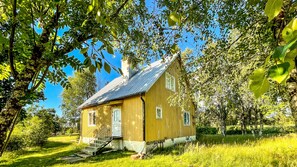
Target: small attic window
<point>92,118</point>
<point>158,113</point>
<point>170,82</point>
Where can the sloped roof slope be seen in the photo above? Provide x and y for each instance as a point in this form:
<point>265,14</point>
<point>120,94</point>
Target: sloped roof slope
<point>120,88</point>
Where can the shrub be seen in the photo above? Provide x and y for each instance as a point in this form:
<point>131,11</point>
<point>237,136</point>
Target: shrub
<point>206,130</point>
<point>16,142</point>
<point>235,130</point>
<point>36,132</point>
<point>31,132</point>
<point>69,131</point>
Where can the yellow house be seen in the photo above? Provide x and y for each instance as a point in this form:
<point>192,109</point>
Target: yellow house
<point>134,110</point>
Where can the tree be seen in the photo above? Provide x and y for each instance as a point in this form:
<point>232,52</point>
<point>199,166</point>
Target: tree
<point>283,70</point>
<point>38,35</point>
<point>83,86</point>
<point>48,116</point>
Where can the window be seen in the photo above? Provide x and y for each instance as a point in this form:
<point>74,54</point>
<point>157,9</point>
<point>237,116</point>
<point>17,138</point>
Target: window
<point>186,118</point>
<point>158,113</point>
<point>170,82</point>
<point>92,118</point>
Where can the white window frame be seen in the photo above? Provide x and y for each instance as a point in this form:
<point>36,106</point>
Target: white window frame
<point>189,122</point>
<point>92,121</point>
<point>160,108</point>
<point>169,82</point>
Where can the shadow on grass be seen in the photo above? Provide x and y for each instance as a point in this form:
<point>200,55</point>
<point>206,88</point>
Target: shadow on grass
<point>40,160</point>
<point>47,160</point>
<point>232,139</point>
<point>109,156</point>
<point>55,144</point>
<point>50,145</point>
<point>54,159</point>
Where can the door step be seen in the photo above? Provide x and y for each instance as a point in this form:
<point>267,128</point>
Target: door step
<point>83,155</point>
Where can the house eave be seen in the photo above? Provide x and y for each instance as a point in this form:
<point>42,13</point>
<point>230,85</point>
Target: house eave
<point>111,102</point>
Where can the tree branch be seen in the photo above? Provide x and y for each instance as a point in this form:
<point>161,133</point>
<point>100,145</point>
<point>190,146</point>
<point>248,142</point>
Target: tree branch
<point>41,79</point>
<point>11,41</point>
<point>33,29</point>
<point>56,32</point>
<point>72,45</point>
<point>44,38</point>
<point>119,9</point>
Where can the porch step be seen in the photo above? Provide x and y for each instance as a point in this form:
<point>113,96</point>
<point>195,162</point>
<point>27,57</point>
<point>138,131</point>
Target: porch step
<point>83,155</point>
<point>96,145</point>
<point>89,150</point>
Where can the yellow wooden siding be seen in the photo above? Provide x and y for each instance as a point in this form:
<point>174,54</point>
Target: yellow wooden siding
<point>103,120</point>
<point>132,116</point>
<point>171,125</point>
<point>131,112</point>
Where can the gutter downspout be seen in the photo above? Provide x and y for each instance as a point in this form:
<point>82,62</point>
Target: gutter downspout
<point>143,112</point>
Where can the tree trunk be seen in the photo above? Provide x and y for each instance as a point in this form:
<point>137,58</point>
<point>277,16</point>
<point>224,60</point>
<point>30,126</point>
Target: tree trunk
<point>292,89</point>
<point>14,104</point>
<point>250,122</point>
<point>223,127</point>
<point>10,111</point>
<point>261,123</point>
<point>242,123</point>
<point>256,121</point>
<point>245,124</point>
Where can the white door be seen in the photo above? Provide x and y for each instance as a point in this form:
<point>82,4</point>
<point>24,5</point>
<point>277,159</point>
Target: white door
<point>116,122</point>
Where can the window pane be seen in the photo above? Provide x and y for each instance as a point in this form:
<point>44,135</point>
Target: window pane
<point>90,118</point>
<point>94,118</point>
<point>172,83</point>
<point>167,81</point>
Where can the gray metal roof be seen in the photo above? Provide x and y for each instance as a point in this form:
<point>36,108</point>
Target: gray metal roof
<point>120,87</point>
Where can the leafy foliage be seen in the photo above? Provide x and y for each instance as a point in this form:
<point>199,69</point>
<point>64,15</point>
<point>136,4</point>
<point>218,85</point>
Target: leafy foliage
<point>284,54</point>
<point>35,129</point>
<point>83,86</point>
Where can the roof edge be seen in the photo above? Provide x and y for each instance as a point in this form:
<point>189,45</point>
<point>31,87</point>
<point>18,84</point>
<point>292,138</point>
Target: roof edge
<point>120,98</point>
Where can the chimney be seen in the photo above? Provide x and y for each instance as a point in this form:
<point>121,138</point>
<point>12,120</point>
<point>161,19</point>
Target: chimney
<point>127,69</point>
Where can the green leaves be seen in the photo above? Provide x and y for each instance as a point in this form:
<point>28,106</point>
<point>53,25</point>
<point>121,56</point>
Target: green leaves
<point>273,8</point>
<point>92,68</point>
<point>279,72</point>
<point>90,9</point>
<point>107,67</point>
<point>98,65</point>
<point>110,50</point>
<point>87,62</point>
<point>84,50</point>
<point>4,71</point>
<point>174,48</point>
<point>281,51</point>
<point>173,19</point>
<point>290,31</point>
<point>258,82</point>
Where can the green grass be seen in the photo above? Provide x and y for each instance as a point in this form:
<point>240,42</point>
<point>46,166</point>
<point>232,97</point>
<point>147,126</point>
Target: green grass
<point>210,150</point>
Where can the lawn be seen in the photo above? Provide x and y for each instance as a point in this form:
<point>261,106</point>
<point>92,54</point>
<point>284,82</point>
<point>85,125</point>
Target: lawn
<point>211,150</point>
